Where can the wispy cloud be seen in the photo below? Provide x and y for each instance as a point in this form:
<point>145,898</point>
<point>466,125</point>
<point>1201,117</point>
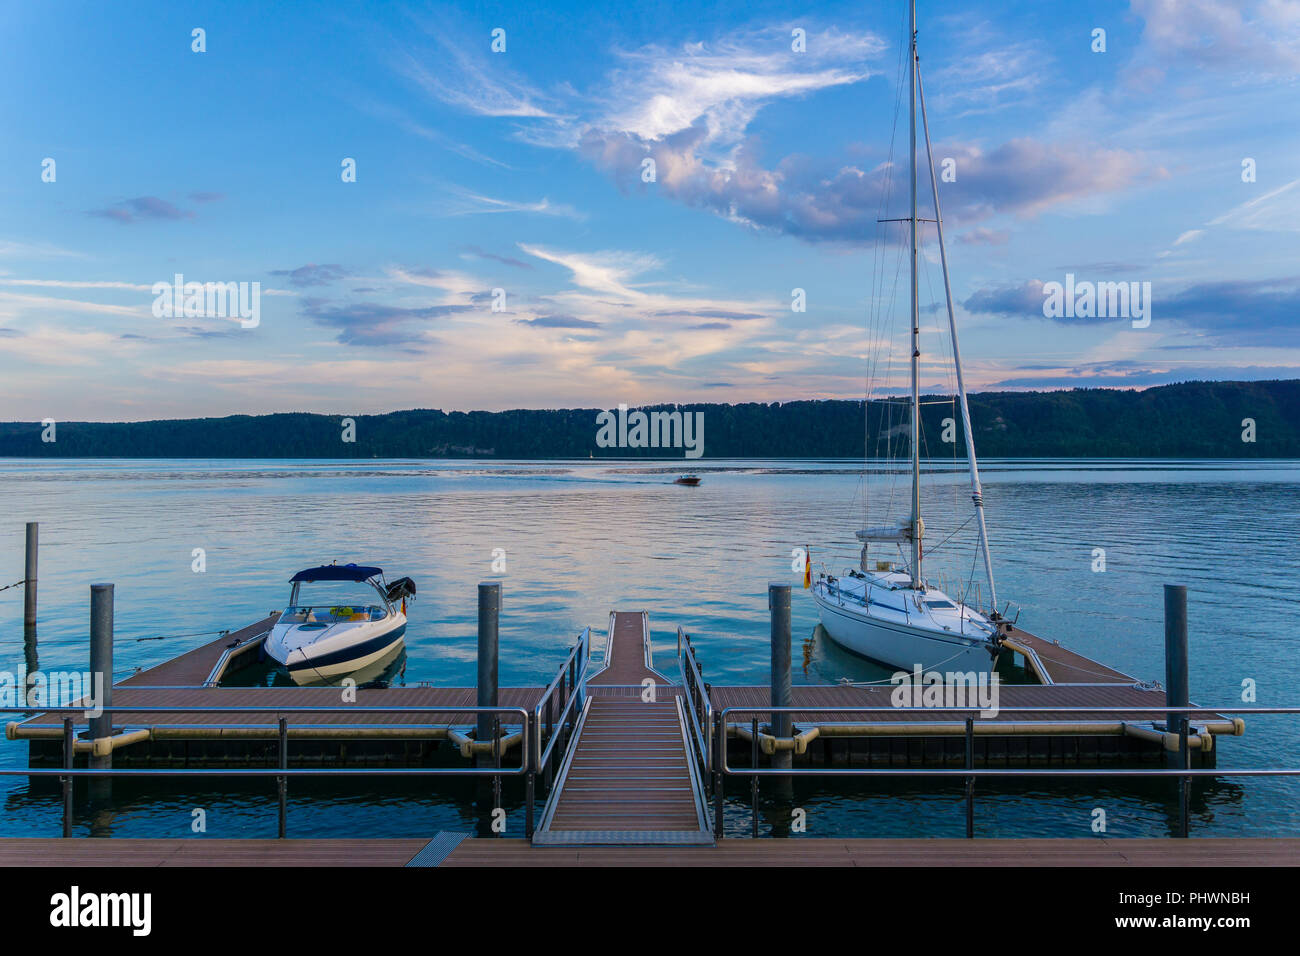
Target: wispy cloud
<point>470,204</point>
<point>559,322</point>
<point>603,272</point>
<point>477,253</point>
<point>720,86</point>
<point>371,323</point>
<point>142,208</point>
<point>312,274</point>
<point>451,73</point>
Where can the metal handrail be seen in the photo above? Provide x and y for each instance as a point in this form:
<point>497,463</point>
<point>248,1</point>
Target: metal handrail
<point>970,773</point>
<point>67,773</point>
<point>580,657</point>
<point>695,685</point>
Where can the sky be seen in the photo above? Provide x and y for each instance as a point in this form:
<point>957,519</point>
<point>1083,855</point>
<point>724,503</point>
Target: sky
<point>501,247</point>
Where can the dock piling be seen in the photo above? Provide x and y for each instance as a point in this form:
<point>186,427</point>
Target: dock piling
<point>101,672</point>
<point>489,620</point>
<point>778,602</point>
<point>489,646</point>
<point>1177,690</point>
<point>29,575</point>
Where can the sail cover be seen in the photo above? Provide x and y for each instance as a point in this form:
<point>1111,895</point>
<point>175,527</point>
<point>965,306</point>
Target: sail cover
<point>899,532</point>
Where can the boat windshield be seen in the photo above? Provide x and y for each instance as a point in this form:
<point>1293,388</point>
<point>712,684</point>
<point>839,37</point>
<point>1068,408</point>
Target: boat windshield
<point>331,613</point>
<point>332,602</point>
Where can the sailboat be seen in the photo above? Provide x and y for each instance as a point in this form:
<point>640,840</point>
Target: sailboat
<point>889,612</point>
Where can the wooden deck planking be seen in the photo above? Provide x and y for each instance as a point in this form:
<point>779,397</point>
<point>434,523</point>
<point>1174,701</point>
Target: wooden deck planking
<point>484,852</point>
<point>1064,666</point>
<point>1099,851</point>
<point>627,652</point>
<point>193,667</point>
<point>208,852</point>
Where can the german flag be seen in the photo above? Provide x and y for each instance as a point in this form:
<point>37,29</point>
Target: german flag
<point>807,567</point>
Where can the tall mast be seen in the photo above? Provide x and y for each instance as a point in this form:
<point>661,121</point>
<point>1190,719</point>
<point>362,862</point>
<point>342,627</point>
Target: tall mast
<point>916,326</point>
<point>976,491</point>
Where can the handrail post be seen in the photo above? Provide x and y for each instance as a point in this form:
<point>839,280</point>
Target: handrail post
<point>970,781</point>
<point>496,761</point>
<point>69,743</point>
<point>1184,783</point>
<point>530,782</point>
<point>282,782</point>
<point>580,687</point>
<point>753,777</point>
<point>550,735</point>
<point>720,737</point>
<point>564,709</point>
<point>708,717</point>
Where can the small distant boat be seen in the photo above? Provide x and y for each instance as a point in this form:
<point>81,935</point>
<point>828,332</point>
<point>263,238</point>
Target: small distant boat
<point>691,480</point>
<point>324,639</point>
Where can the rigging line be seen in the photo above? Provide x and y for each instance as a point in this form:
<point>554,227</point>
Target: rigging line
<point>933,551</point>
<point>876,309</point>
<point>847,683</point>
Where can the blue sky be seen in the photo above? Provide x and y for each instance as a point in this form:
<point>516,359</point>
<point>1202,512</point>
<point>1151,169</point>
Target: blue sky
<point>521,171</point>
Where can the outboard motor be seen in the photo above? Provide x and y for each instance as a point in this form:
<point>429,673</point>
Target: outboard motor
<point>400,590</point>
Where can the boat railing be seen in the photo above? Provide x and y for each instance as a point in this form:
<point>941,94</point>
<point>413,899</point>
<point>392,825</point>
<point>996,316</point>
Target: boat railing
<point>969,717</point>
<point>557,709</point>
<point>490,766</point>
<point>700,707</point>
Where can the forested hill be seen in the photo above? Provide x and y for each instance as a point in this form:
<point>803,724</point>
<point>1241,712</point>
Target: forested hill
<point>1189,420</point>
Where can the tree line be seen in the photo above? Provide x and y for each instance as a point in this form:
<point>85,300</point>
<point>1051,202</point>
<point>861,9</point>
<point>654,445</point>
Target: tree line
<point>1186,420</point>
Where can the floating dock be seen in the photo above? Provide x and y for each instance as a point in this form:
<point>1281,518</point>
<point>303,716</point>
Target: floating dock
<point>616,728</point>
<point>624,754</point>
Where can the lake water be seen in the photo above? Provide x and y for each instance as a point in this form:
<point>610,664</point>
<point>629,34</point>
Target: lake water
<point>581,538</point>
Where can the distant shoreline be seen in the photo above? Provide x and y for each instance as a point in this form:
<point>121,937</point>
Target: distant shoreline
<point>1191,421</point>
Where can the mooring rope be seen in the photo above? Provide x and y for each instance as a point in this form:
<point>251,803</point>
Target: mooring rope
<point>14,585</point>
<point>167,637</point>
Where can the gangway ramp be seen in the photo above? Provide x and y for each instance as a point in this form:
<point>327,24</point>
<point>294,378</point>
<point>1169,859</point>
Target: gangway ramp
<point>627,777</point>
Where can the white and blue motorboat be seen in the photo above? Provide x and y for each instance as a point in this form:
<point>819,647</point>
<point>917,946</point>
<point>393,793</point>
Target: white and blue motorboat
<point>341,618</point>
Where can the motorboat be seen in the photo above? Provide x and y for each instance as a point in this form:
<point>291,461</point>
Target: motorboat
<point>889,611</point>
<point>691,480</point>
<point>346,619</point>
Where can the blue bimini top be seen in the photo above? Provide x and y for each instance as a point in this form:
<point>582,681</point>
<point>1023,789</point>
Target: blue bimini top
<point>337,572</point>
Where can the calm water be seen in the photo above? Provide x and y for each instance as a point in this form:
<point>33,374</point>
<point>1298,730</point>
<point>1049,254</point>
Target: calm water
<point>581,538</point>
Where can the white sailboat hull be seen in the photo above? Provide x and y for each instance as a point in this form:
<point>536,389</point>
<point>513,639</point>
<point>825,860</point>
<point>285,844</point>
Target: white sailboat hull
<point>896,643</point>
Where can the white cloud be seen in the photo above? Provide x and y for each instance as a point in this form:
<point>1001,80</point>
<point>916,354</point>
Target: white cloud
<point>1259,37</point>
